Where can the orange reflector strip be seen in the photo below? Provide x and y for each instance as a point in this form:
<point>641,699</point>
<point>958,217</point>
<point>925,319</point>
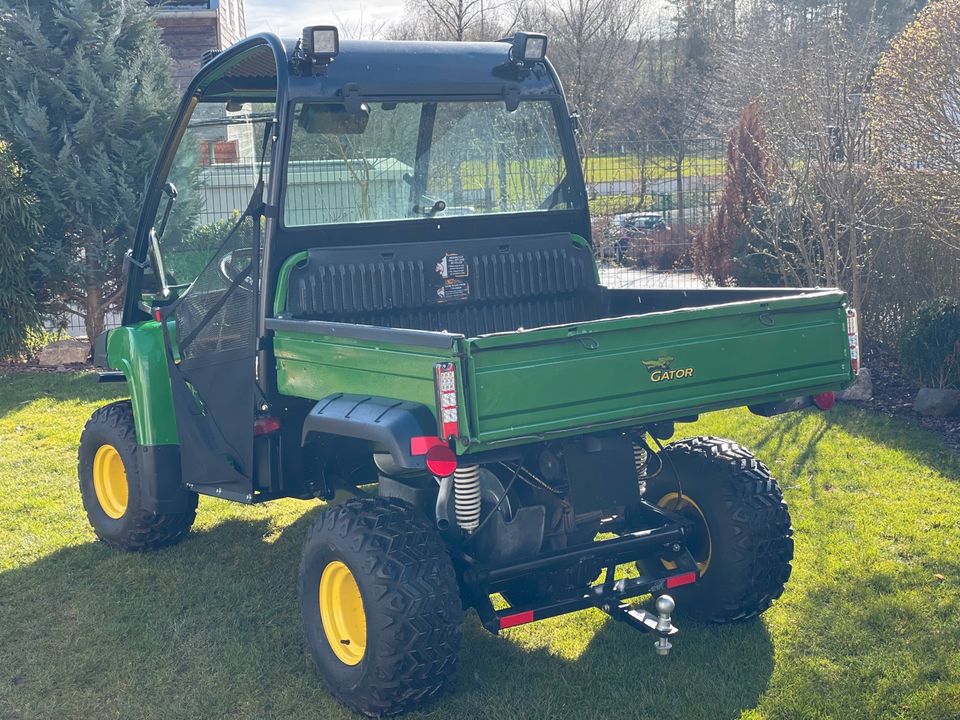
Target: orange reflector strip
<point>420,445</point>
<point>509,621</point>
<point>684,579</point>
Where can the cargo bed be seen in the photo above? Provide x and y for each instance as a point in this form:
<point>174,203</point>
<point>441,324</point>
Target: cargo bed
<point>671,354</point>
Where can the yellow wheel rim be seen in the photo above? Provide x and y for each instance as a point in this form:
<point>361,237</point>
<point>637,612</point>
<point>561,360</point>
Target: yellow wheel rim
<point>110,481</point>
<point>701,545</point>
<point>341,610</point>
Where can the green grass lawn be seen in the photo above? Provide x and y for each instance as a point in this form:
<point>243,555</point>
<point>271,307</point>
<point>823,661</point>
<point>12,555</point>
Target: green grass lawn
<point>628,168</point>
<point>869,626</point>
<point>543,174</point>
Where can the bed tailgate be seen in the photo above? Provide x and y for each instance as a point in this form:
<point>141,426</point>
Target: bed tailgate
<point>619,371</point>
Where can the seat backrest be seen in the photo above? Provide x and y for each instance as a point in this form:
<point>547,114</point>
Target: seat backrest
<point>472,287</point>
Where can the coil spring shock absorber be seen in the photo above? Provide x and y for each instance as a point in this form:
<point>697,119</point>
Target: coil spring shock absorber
<point>640,457</point>
<point>466,496</point>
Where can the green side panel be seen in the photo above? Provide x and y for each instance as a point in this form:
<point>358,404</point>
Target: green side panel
<point>283,280</point>
<point>137,351</point>
<point>315,366</point>
<point>564,380</point>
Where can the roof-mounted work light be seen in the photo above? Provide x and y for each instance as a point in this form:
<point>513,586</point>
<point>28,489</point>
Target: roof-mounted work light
<point>321,43</point>
<point>528,48</point>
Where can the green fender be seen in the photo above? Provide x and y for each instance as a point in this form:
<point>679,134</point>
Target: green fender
<point>137,351</point>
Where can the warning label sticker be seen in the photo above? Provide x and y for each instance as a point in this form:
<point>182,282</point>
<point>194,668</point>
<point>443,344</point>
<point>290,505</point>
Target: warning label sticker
<point>453,290</point>
<point>453,265</point>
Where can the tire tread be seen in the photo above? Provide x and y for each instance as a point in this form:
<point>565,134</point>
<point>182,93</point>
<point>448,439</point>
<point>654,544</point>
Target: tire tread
<point>417,583</point>
<point>761,524</point>
<point>148,530</point>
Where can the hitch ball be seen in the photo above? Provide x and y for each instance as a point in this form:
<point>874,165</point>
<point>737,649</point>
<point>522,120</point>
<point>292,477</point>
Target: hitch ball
<point>665,607</point>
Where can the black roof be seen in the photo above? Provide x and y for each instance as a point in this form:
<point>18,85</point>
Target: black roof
<point>378,68</point>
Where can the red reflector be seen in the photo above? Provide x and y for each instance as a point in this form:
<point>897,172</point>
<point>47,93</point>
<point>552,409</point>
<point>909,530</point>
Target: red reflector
<point>156,315</point>
<point>685,579</point>
<point>421,445</point>
<point>508,621</point>
<point>825,400</point>
<point>266,425</point>
<point>441,461</point>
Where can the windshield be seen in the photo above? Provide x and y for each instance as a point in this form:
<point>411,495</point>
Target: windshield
<point>400,160</point>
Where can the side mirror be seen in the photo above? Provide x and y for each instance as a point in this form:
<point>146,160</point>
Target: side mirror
<point>149,284</point>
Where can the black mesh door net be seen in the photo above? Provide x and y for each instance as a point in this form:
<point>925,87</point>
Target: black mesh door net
<point>210,333</point>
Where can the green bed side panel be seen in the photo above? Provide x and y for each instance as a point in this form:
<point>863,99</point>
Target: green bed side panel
<point>315,366</point>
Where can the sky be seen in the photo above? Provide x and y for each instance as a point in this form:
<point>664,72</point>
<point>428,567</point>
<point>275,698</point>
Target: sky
<point>287,18</point>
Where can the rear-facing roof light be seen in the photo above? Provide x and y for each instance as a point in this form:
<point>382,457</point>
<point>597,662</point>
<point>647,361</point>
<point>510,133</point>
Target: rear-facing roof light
<point>321,42</point>
<point>528,48</point>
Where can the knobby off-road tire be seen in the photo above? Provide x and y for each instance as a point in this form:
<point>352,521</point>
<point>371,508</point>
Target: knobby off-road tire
<point>110,486</point>
<point>745,557</point>
<point>380,606</point>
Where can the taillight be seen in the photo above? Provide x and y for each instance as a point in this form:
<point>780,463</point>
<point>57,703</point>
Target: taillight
<point>853,337</point>
<point>265,425</point>
<point>445,378</point>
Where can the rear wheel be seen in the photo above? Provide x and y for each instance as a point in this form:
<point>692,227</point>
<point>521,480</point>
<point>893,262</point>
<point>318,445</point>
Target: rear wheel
<point>741,534</point>
<point>110,486</point>
<point>380,606</point>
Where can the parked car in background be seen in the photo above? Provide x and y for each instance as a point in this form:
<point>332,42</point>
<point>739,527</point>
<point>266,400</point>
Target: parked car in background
<point>629,234</point>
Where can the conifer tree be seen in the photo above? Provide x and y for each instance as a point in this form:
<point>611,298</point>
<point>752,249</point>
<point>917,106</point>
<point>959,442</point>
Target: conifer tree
<point>19,238</point>
<point>84,102</point>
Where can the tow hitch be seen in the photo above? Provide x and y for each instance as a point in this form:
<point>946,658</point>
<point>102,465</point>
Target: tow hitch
<point>609,595</point>
<point>660,625</point>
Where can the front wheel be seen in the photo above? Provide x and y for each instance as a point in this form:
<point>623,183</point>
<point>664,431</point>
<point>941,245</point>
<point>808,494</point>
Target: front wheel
<point>741,537</point>
<point>380,606</point>
<point>111,490</point>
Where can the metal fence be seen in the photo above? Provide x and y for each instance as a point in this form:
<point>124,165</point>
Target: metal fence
<point>648,200</point>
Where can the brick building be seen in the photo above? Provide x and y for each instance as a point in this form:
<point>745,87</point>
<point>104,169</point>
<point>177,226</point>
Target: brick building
<point>191,27</point>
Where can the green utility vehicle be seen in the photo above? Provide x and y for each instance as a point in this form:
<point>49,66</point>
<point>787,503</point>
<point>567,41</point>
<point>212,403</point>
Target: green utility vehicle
<point>363,273</point>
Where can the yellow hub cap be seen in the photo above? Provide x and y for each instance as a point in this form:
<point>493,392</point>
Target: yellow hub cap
<point>700,544</point>
<point>341,610</point>
<point>110,481</point>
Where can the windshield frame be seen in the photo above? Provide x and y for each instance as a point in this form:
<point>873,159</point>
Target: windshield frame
<point>567,145</point>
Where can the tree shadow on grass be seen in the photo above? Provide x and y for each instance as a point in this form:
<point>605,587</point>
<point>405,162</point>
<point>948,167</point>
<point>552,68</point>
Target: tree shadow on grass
<point>899,433</point>
<point>211,629</point>
<point>21,388</point>
<point>793,431</point>
<point>786,434</point>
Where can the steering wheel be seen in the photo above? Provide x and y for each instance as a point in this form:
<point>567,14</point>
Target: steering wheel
<point>233,264</point>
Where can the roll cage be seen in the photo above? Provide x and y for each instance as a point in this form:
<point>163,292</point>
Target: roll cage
<point>262,68</point>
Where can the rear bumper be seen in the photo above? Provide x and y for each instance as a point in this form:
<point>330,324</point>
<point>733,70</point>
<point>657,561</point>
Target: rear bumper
<point>663,543</point>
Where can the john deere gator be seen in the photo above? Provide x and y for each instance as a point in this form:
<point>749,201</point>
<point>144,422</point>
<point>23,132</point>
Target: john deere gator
<point>363,274</point>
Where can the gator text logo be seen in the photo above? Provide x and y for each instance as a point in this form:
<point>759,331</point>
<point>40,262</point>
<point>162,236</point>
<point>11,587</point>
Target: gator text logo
<point>661,371</point>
